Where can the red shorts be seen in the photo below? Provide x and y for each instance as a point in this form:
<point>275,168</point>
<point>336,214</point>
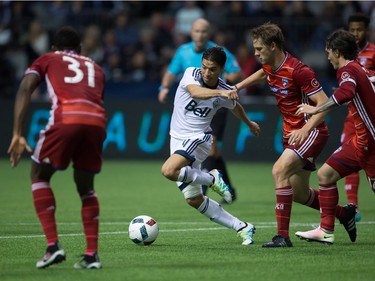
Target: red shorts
<point>348,159</point>
<point>62,143</point>
<point>310,149</point>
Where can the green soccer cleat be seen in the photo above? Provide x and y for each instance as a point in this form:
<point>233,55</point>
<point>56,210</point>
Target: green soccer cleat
<point>246,234</point>
<point>220,187</point>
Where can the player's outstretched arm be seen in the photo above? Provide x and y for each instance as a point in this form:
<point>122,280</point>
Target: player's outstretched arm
<point>198,92</point>
<point>240,113</point>
<point>253,79</point>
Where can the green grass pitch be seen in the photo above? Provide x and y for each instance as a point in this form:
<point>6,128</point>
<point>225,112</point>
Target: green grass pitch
<point>189,246</point>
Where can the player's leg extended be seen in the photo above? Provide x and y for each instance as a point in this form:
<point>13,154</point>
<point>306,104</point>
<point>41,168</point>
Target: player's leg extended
<point>45,207</point>
<point>216,213</point>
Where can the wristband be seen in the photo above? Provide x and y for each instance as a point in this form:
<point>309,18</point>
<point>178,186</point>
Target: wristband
<point>161,87</point>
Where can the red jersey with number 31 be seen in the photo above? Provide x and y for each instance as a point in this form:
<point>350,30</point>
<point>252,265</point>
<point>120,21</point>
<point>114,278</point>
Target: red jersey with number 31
<point>75,86</point>
<point>292,83</point>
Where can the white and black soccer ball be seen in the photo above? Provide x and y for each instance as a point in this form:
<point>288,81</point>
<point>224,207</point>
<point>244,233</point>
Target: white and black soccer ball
<point>143,230</point>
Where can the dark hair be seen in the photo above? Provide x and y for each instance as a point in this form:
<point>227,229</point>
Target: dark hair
<point>268,33</point>
<point>344,42</point>
<point>359,17</point>
<point>215,54</point>
<point>67,38</point>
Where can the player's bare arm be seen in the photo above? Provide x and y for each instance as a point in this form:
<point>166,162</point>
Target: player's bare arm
<point>240,113</point>
<point>299,136</point>
<point>253,79</point>
<point>18,143</point>
<point>199,92</point>
<point>166,82</point>
<point>312,110</point>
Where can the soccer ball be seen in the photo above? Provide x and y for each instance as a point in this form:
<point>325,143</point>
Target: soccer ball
<point>143,230</point>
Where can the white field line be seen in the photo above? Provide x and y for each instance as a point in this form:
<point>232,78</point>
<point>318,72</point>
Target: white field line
<point>258,225</point>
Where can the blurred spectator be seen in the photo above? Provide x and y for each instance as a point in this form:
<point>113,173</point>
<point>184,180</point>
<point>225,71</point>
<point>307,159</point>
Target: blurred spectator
<point>126,33</point>
<point>52,14</point>
<point>5,22</point>
<point>36,42</point>
<point>113,67</point>
<point>299,35</point>
<point>138,69</point>
<point>217,13</point>
<point>185,16</point>
<point>91,45</point>
<point>249,64</point>
<point>22,15</point>
<point>161,29</point>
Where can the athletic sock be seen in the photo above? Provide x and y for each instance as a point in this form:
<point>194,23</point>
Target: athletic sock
<point>328,198</point>
<point>194,176</point>
<point>283,209</point>
<point>351,188</point>
<point>45,206</point>
<point>216,213</point>
<point>90,220</point>
<point>313,201</point>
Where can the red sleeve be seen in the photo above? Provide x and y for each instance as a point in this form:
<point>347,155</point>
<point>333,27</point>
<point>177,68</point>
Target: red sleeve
<point>39,66</point>
<point>306,80</point>
<point>345,92</point>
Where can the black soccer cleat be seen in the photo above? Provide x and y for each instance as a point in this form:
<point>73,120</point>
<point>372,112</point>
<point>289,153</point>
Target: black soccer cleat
<point>349,221</point>
<point>278,241</point>
<point>89,262</point>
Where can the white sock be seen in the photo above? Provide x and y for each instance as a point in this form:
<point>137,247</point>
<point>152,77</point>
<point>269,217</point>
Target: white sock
<point>216,213</point>
<point>194,176</point>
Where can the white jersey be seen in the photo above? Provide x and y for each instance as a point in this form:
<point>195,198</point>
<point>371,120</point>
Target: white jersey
<point>190,116</point>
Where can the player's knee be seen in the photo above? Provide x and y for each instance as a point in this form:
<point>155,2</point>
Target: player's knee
<point>278,172</point>
<point>196,201</point>
<point>324,177</point>
<point>169,172</point>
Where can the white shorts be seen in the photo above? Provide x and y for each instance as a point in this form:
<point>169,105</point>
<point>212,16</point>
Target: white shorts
<point>196,149</point>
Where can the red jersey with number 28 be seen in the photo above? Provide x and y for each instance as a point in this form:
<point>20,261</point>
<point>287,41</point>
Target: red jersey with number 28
<point>356,87</point>
<point>75,86</point>
<point>292,83</point>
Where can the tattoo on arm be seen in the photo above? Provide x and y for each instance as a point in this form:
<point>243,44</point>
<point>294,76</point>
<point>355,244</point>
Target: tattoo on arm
<point>326,106</point>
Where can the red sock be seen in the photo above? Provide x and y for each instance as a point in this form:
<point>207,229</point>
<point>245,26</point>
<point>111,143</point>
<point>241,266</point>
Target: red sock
<point>45,206</point>
<point>313,201</point>
<point>351,187</point>
<point>284,199</point>
<point>90,219</point>
<point>328,198</point>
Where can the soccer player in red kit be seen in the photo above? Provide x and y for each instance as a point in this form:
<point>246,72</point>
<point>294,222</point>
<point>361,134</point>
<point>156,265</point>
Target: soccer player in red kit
<point>357,89</point>
<point>75,132</point>
<point>358,26</point>
<point>292,83</point>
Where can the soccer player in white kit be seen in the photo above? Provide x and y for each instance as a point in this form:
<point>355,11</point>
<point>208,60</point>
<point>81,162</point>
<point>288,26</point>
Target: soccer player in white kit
<point>200,94</point>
